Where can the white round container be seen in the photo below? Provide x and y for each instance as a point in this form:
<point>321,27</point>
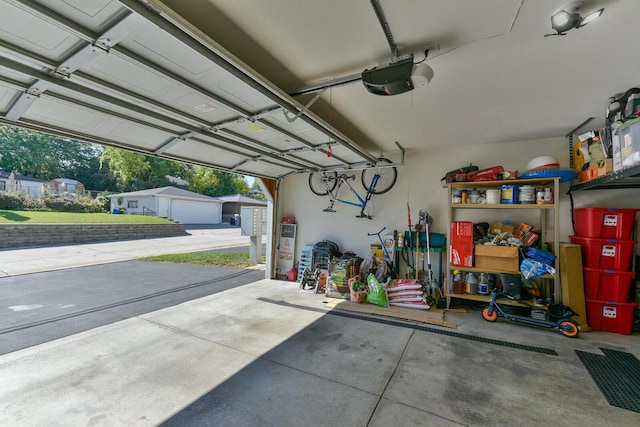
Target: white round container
<point>493,196</point>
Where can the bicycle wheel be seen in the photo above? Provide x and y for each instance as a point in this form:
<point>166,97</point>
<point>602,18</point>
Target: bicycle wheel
<point>388,176</point>
<point>322,183</point>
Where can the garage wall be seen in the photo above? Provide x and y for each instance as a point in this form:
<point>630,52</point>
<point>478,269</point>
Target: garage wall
<point>419,182</point>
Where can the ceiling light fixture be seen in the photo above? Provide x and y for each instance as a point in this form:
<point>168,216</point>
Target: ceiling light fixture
<point>567,18</point>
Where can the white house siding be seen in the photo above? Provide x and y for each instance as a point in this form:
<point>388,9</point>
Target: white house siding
<point>25,187</point>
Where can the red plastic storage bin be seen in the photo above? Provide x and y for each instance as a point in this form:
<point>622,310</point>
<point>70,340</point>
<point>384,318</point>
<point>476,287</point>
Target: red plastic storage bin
<point>609,254</point>
<point>607,285</point>
<point>611,316</point>
<point>609,223</point>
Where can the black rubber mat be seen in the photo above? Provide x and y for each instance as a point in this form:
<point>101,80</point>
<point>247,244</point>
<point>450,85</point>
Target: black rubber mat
<point>543,350</point>
<point>387,321</point>
<point>617,375</point>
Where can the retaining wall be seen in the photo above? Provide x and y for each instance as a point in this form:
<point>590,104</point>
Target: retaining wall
<point>17,235</point>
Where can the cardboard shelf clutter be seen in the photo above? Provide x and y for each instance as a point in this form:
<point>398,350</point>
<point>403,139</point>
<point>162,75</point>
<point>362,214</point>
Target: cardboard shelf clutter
<point>502,258</point>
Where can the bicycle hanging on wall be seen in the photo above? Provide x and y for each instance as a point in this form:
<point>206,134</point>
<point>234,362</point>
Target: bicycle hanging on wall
<point>376,180</point>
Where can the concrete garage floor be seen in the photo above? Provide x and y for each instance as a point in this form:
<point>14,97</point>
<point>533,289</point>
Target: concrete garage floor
<point>264,354</point>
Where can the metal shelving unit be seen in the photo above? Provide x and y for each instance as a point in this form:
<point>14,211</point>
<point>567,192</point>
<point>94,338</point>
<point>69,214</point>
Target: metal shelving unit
<point>625,178</point>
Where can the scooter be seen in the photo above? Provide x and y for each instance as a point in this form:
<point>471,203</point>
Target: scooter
<point>556,316</point>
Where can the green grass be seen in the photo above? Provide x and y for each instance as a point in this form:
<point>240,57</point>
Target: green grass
<point>218,259</point>
<point>36,217</point>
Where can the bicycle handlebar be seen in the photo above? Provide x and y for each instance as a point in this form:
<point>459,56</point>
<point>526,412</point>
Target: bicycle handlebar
<point>378,233</point>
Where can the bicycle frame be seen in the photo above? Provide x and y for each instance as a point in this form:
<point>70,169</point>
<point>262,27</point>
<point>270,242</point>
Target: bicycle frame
<point>362,203</point>
<point>376,179</point>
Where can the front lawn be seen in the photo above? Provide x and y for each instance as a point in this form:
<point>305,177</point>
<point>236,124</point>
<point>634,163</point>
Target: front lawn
<point>37,217</point>
<point>219,259</point>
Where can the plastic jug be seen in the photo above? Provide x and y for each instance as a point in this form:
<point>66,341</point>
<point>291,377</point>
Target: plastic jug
<point>471,284</point>
<point>483,284</point>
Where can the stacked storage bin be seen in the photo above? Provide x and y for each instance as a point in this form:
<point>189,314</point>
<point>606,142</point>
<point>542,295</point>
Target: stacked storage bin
<point>607,255</point>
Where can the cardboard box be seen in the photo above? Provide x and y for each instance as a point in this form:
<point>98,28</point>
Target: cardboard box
<point>499,227</point>
<point>525,234</point>
<point>571,281</point>
<point>498,258</point>
<point>461,244</point>
<point>605,167</point>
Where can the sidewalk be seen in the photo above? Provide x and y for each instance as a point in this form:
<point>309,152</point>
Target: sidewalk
<point>38,259</point>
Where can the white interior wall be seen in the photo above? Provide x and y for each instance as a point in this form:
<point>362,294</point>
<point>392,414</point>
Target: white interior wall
<point>419,183</point>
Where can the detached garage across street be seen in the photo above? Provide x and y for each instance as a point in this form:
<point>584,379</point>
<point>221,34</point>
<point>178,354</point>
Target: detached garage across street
<point>177,204</point>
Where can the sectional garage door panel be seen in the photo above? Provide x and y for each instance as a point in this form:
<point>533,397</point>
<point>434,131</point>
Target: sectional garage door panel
<point>192,212</point>
<point>133,74</point>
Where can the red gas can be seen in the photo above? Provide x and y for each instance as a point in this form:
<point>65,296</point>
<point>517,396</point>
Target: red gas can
<point>292,275</point>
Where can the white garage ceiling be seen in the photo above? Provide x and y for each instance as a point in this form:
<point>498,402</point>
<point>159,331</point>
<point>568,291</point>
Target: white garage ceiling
<point>496,77</point>
<point>175,78</point>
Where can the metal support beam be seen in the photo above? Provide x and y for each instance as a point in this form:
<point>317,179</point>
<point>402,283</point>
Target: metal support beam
<point>385,27</point>
<point>26,100</point>
<point>85,55</point>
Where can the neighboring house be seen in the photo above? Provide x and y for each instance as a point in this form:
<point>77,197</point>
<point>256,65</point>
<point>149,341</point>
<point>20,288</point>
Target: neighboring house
<point>11,182</point>
<point>65,187</point>
<point>177,204</point>
<point>233,205</point>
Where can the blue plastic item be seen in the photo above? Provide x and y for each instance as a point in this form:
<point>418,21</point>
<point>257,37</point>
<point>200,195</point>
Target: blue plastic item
<point>540,255</point>
<point>564,174</point>
<point>529,267</point>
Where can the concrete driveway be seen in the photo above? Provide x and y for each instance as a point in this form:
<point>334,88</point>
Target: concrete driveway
<point>17,261</point>
<point>74,288</point>
<point>41,307</point>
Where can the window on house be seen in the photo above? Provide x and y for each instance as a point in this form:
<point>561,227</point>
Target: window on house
<point>3,186</point>
<point>132,204</point>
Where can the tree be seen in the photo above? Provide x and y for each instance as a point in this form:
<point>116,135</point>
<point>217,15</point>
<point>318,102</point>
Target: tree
<point>44,156</point>
<point>135,171</point>
<point>214,183</point>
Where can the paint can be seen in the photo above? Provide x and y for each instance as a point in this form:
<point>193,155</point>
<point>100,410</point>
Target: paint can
<point>527,195</point>
<point>509,194</point>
